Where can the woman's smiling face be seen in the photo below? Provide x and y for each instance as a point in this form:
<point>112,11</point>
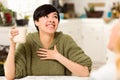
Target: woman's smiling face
<point>48,23</point>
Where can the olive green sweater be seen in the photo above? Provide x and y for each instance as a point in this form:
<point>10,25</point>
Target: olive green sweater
<point>27,62</point>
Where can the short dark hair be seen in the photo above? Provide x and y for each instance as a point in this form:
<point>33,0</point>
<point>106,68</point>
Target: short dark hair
<point>43,11</point>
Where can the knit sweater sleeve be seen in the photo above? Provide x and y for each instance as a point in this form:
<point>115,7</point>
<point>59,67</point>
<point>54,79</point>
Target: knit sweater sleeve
<point>75,53</point>
<point>22,60</point>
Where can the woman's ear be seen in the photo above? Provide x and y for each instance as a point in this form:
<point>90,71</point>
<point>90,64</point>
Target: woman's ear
<point>36,23</point>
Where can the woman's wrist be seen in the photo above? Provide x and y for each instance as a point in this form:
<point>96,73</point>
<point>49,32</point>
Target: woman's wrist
<point>12,42</point>
<point>59,57</point>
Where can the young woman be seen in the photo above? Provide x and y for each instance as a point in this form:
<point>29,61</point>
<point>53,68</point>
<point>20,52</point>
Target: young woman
<point>46,52</point>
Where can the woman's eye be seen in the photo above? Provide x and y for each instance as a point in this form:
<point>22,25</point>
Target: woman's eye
<point>56,16</point>
<point>53,16</point>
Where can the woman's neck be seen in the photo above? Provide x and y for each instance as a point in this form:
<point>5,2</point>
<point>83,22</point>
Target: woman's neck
<point>46,39</point>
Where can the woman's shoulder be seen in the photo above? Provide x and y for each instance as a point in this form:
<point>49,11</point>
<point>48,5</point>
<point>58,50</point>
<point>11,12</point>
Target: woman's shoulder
<point>32,36</point>
<point>33,33</point>
<point>61,37</point>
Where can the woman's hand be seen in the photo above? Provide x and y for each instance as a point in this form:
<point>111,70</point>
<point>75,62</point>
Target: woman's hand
<point>75,68</point>
<point>12,33</point>
<point>9,65</point>
<point>48,54</point>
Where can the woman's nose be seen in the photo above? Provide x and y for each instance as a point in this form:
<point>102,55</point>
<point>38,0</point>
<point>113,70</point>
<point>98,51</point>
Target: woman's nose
<point>51,19</point>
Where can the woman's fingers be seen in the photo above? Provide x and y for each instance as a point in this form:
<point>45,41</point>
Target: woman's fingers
<point>47,54</point>
<point>42,52</point>
<point>13,32</point>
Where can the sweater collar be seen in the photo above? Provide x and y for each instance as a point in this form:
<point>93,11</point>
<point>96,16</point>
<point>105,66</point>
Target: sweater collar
<point>35,37</point>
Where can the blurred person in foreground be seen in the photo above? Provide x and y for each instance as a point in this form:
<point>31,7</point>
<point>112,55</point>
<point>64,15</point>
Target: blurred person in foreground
<point>46,52</point>
<point>111,70</point>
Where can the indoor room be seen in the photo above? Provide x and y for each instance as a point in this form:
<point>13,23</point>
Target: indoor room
<point>88,22</point>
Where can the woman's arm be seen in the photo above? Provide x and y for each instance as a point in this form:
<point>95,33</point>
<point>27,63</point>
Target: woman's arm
<point>75,68</point>
<point>9,65</point>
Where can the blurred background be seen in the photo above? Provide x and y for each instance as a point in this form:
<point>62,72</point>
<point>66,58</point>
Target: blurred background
<point>68,8</point>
